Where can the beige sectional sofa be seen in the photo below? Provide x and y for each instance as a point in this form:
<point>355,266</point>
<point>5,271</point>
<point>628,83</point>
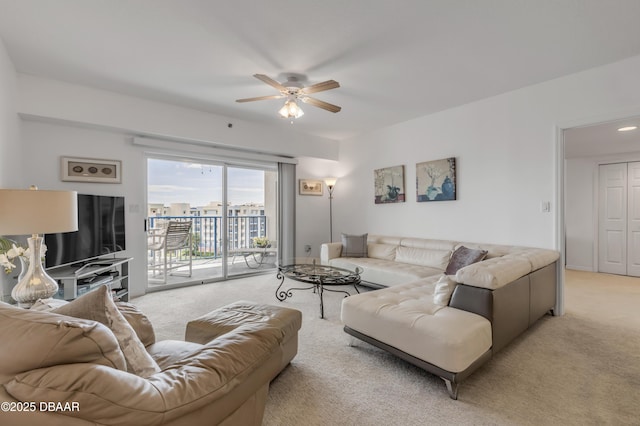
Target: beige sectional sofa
<point>488,303</point>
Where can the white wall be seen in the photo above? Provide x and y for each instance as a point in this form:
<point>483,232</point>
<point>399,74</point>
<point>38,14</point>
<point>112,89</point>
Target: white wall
<point>10,151</point>
<point>10,148</point>
<point>44,143</point>
<point>579,213</point>
<point>312,211</point>
<point>505,148</point>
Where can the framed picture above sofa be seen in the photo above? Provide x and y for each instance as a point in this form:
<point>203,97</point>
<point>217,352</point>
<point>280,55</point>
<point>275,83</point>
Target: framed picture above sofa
<point>389,185</point>
<point>436,180</point>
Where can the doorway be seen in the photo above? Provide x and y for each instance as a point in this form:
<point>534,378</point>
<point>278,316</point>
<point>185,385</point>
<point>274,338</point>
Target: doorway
<point>228,210</point>
<point>584,150</point>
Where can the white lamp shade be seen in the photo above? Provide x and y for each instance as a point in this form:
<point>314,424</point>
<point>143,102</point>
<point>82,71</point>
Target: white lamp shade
<point>32,211</point>
<point>330,181</point>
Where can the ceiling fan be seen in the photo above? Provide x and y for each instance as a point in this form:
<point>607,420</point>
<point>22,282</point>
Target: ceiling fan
<point>293,90</point>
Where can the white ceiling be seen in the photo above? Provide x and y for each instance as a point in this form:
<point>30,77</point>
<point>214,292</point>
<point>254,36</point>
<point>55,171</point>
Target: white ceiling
<point>602,139</point>
<point>395,59</point>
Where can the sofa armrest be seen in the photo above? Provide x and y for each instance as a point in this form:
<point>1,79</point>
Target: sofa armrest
<point>495,272</point>
<point>330,251</point>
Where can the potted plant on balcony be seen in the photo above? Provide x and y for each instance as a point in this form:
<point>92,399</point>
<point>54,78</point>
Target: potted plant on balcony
<point>261,242</point>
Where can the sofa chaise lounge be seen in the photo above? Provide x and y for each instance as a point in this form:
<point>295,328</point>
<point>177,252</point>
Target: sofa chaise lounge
<point>451,324</point>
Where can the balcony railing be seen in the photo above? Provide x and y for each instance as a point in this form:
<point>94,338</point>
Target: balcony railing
<point>207,232</point>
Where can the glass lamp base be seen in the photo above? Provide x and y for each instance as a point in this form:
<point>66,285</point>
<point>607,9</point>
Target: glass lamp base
<point>35,284</point>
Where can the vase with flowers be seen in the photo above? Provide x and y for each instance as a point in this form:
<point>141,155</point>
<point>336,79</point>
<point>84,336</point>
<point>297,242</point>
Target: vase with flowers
<point>10,252</point>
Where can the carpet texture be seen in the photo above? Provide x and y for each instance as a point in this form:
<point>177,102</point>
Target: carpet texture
<point>579,369</point>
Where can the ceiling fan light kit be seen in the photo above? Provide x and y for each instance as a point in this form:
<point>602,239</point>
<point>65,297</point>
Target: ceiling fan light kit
<point>294,91</point>
<point>291,110</point>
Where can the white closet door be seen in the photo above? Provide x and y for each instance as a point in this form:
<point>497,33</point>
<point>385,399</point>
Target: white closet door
<point>633,224</point>
<point>612,217</point>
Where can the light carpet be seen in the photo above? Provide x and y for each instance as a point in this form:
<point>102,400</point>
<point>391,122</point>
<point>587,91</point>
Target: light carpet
<point>579,369</point>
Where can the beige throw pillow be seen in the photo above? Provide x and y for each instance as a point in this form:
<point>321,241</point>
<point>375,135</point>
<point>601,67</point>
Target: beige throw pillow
<point>139,321</point>
<point>47,305</point>
<point>97,305</point>
<point>443,290</point>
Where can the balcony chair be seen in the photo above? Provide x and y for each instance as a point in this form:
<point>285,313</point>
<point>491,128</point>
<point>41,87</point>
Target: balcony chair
<point>165,245</point>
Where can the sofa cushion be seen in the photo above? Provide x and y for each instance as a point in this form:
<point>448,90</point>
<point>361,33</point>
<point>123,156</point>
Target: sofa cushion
<point>385,272</point>
<point>462,257</point>
<point>170,352</point>
<point>33,340</point>
<point>424,257</point>
<point>97,305</point>
<point>405,317</point>
<point>354,245</point>
<point>381,251</point>
<point>384,239</point>
<point>428,243</point>
<point>493,250</point>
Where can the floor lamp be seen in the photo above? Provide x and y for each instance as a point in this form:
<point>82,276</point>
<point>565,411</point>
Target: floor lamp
<point>330,182</point>
<point>34,212</point>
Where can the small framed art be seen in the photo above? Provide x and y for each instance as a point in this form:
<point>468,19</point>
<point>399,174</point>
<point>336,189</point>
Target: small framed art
<point>310,187</point>
<point>389,185</point>
<point>436,180</point>
<point>91,170</point>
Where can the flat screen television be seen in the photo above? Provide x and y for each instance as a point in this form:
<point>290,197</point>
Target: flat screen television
<point>100,232</point>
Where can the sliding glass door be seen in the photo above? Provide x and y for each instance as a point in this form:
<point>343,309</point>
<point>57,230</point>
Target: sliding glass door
<point>251,220</point>
<point>208,221</point>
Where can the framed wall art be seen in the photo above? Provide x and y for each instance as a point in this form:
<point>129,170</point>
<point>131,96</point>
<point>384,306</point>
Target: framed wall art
<point>310,187</point>
<point>389,185</point>
<point>436,180</point>
<point>91,170</point>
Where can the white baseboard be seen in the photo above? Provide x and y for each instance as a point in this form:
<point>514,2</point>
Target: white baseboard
<point>579,268</point>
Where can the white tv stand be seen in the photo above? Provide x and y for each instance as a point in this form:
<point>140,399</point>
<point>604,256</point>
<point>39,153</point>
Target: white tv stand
<point>75,280</point>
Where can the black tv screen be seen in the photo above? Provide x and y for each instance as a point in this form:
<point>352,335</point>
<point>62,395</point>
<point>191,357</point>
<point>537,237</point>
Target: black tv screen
<point>100,232</point>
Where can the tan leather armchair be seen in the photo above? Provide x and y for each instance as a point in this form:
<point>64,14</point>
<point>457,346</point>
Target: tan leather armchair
<point>78,366</point>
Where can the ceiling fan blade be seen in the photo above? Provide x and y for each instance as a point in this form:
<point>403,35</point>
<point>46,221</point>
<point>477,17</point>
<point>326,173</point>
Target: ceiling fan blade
<point>320,104</point>
<point>270,82</point>
<point>260,98</point>
<point>319,87</point>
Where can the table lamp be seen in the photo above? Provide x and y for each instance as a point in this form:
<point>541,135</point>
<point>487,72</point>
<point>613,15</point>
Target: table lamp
<point>34,212</point>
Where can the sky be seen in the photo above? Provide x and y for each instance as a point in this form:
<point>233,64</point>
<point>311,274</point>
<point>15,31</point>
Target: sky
<point>198,184</point>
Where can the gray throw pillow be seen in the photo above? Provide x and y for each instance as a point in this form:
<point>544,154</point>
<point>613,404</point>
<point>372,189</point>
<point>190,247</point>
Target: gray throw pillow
<point>462,257</point>
<point>354,245</point>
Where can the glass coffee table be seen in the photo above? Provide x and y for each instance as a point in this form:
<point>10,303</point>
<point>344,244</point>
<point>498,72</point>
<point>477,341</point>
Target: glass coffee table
<point>318,277</point>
